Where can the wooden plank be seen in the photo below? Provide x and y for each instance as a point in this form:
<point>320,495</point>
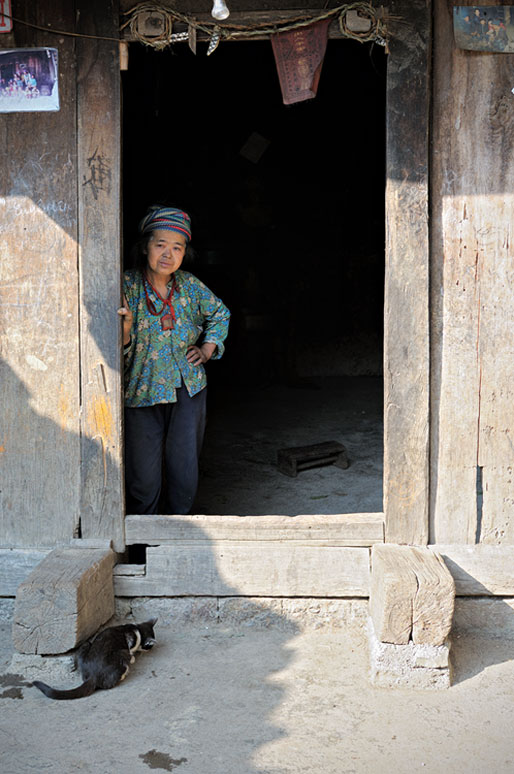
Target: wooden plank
<point>239,569</point>
<point>473,396</point>
<point>90,543</point>
<point>129,569</point>
<point>98,97</point>
<point>352,529</point>
<point>496,340</point>
<point>455,298</point>
<point>406,340</point>
<point>64,600</point>
<point>497,523</point>
<point>39,366</point>
<point>15,566</point>
<point>412,595</point>
<point>481,569</point>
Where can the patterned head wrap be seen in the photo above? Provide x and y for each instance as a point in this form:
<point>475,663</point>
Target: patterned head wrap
<point>167,218</point>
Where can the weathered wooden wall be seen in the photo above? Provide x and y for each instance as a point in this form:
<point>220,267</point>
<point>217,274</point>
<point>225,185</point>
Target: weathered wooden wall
<point>39,399</point>
<point>88,141</point>
<point>60,406</point>
<point>59,289</point>
<point>472,389</point>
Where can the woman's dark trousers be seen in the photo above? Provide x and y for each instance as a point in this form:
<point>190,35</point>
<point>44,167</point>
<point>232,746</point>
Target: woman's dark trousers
<point>169,433</point>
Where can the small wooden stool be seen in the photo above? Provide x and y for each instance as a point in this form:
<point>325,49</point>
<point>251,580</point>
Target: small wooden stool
<point>290,461</point>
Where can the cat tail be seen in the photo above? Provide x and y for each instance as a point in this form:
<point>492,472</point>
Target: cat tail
<point>86,689</point>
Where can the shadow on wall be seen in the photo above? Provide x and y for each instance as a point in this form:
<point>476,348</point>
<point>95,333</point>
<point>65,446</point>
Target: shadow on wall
<point>57,428</point>
<point>40,461</point>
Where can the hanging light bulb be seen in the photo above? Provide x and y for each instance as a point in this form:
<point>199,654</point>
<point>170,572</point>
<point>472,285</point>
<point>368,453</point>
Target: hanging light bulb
<point>220,10</point>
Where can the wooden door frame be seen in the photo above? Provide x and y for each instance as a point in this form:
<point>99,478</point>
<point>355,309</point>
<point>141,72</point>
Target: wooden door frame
<point>406,306</point>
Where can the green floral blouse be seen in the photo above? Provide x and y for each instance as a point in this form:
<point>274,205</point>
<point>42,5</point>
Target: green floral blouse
<point>155,359</point>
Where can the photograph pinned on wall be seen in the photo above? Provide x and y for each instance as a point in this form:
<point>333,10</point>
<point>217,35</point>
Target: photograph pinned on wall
<point>29,80</point>
<point>484,28</point>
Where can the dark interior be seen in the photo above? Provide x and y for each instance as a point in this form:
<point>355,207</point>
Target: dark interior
<point>287,207</point>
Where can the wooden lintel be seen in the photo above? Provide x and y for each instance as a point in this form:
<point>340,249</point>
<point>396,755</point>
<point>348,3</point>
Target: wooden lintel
<point>262,18</point>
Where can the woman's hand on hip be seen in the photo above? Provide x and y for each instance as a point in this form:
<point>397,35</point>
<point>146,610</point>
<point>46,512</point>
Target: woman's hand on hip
<point>197,355</point>
<point>126,313</point>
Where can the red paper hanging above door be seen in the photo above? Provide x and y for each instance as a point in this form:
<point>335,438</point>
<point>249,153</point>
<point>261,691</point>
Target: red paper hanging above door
<point>5,16</point>
<point>299,57</point>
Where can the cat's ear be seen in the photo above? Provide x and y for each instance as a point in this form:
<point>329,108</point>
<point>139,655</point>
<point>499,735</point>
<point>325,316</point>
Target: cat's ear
<point>152,621</point>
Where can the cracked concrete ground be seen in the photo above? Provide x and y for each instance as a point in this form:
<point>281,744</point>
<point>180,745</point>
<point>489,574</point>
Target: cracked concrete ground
<point>248,700</point>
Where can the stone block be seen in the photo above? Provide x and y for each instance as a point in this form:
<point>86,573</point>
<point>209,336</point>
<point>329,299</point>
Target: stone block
<point>410,665</point>
<point>288,614</point>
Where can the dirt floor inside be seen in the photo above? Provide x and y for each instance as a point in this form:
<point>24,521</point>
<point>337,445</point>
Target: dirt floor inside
<point>246,428</point>
<point>244,700</point>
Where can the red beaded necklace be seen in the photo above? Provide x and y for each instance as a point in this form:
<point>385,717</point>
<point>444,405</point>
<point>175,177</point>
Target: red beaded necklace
<point>167,320</point>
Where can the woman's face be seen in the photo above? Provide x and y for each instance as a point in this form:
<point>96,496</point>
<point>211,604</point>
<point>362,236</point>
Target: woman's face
<point>166,250</point>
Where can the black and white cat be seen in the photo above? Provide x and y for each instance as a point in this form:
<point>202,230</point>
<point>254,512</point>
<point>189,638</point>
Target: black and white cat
<point>104,660</point>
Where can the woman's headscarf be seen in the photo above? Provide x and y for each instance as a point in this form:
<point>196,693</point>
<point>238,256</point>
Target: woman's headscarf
<point>167,218</point>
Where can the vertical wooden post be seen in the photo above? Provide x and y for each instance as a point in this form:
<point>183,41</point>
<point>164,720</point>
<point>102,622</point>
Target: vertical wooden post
<point>406,337</point>
<point>455,377</point>
<point>98,110</point>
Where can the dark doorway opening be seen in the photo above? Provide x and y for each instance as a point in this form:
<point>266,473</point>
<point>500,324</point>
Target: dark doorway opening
<point>287,207</point>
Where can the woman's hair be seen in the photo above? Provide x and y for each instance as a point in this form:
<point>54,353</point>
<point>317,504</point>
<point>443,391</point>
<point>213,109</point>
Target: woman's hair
<point>139,254</point>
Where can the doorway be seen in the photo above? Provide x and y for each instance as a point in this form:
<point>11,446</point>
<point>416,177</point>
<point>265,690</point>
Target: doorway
<point>287,208</point>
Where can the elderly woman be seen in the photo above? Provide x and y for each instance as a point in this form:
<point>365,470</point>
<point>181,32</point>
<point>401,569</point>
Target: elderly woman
<point>172,325</point>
